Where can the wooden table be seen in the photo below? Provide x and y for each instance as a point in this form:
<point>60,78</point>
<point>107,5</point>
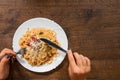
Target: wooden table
<point>92,27</point>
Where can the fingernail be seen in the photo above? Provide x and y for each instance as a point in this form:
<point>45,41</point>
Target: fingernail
<point>8,56</point>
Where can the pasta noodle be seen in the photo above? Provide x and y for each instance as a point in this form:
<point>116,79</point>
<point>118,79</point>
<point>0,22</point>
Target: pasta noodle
<point>38,52</point>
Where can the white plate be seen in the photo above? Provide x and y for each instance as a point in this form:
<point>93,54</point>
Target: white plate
<point>35,23</point>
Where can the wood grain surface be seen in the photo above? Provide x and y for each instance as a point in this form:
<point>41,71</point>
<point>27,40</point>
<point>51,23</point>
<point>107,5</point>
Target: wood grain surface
<point>92,27</point>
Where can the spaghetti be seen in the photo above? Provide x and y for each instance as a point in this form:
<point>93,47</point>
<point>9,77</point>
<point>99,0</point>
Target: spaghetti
<point>38,52</point>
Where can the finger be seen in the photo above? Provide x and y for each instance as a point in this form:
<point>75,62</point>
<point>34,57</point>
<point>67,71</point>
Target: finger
<point>78,59</point>
<point>88,67</point>
<point>5,59</point>
<point>84,61</point>
<point>71,59</point>
<point>87,61</point>
<point>10,51</point>
<point>13,59</point>
<point>7,51</point>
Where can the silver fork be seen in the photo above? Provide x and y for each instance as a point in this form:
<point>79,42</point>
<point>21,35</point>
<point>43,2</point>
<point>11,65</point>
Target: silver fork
<point>21,51</point>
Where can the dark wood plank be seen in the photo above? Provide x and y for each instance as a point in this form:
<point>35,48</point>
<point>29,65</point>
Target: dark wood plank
<point>92,27</point>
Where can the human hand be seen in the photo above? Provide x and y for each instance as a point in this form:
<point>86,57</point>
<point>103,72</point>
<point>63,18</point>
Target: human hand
<point>4,62</point>
<point>79,66</point>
